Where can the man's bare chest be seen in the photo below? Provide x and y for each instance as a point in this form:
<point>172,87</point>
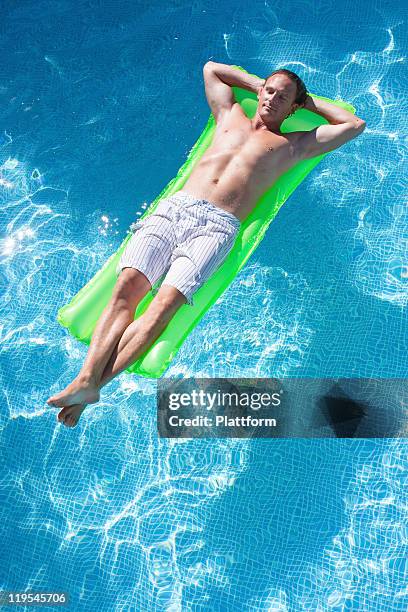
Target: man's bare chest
<point>266,153</point>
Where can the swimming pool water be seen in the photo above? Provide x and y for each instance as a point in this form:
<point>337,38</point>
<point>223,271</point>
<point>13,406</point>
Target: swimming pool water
<point>100,104</point>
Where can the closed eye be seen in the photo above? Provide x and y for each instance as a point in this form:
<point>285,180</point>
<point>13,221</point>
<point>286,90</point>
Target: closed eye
<point>282,97</point>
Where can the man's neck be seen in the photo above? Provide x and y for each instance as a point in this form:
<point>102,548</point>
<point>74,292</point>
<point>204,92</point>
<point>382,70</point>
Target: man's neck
<point>258,125</point>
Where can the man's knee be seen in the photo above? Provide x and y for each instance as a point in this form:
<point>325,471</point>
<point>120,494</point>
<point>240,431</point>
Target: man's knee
<point>164,305</point>
<point>131,285</point>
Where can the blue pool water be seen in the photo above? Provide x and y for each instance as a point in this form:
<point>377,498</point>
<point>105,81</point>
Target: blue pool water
<point>100,104</point>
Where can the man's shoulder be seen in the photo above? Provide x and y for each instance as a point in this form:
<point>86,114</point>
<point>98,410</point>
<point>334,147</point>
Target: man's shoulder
<point>294,139</point>
<point>234,116</point>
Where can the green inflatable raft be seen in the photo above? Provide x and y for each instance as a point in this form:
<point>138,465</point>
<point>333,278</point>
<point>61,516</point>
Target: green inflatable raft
<point>82,313</point>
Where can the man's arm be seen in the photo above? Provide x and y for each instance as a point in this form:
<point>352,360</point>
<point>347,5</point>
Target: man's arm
<point>343,127</point>
<point>219,79</point>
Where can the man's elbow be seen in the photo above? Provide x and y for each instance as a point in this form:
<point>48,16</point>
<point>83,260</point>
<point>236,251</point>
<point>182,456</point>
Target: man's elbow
<point>208,65</point>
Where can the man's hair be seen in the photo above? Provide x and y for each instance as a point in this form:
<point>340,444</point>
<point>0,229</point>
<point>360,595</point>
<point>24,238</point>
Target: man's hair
<point>301,91</point>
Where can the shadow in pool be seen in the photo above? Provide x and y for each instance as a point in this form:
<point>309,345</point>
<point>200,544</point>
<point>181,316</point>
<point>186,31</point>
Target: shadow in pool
<point>342,413</point>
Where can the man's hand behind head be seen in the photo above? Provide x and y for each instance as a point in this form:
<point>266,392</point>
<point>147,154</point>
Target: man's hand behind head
<point>258,93</point>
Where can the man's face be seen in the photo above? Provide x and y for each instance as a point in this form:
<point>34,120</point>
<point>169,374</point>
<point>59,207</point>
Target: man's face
<point>276,98</point>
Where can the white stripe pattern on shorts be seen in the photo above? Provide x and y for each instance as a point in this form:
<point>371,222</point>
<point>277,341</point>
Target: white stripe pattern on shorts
<point>185,238</point>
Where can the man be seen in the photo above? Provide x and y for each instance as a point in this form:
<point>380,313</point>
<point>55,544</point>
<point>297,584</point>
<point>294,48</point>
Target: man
<point>190,233</point>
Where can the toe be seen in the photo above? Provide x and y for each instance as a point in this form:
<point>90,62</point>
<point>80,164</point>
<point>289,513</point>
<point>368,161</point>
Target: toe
<point>54,401</point>
<point>69,415</point>
<point>60,403</point>
<point>63,415</point>
<point>70,420</point>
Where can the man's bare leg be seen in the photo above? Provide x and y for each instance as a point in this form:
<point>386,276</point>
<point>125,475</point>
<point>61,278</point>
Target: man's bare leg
<point>130,288</point>
<point>133,343</point>
<point>136,339</point>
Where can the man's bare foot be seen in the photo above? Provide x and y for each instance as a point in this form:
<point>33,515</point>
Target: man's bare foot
<point>69,415</point>
<point>80,391</point>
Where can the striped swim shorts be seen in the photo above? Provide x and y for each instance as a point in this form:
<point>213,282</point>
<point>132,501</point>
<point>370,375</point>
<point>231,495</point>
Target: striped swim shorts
<point>181,243</point>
